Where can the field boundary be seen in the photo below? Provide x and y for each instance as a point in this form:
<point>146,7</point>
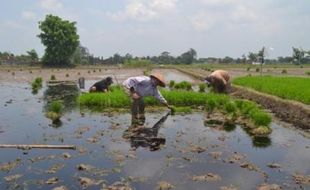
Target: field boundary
<point>287,110</point>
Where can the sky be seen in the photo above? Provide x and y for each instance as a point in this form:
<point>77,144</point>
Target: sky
<point>214,28</point>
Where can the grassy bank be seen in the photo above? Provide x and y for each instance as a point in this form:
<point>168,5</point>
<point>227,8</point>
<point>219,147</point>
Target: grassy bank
<point>292,88</point>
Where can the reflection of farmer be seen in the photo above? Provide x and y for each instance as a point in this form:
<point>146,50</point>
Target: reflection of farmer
<point>219,80</point>
<point>101,86</point>
<point>141,136</point>
<point>140,87</point>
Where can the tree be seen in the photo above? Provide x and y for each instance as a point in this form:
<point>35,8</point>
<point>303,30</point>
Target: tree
<point>60,38</point>
<point>33,55</point>
<point>298,54</point>
<point>81,56</point>
<point>188,57</point>
<point>253,57</point>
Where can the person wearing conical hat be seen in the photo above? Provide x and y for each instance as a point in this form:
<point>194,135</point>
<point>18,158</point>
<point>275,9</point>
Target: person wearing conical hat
<point>142,86</point>
<point>219,80</point>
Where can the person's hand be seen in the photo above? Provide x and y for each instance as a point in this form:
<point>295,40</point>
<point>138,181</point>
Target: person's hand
<point>135,95</point>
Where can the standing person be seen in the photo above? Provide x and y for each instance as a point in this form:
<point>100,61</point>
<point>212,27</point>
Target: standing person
<point>219,80</point>
<point>101,86</point>
<point>140,87</point>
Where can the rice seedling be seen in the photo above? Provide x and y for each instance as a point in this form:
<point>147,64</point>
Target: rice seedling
<point>67,75</point>
<point>248,69</point>
<point>184,85</point>
<point>307,73</point>
<point>171,84</point>
<point>13,73</point>
<point>54,111</point>
<point>284,71</point>
<point>37,84</point>
<point>293,88</point>
<point>53,77</point>
<point>202,87</point>
<point>257,70</point>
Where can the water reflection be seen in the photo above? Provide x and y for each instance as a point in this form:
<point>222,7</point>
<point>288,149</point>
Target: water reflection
<point>259,142</point>
<point>141,136</point>
<point>67,94</point>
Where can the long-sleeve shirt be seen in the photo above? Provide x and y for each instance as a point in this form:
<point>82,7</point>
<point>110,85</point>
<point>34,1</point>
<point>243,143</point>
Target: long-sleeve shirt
<point>144,86</point>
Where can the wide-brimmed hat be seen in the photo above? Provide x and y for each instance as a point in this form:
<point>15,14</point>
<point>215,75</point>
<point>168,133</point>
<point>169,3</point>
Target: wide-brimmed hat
<point>160,78</point>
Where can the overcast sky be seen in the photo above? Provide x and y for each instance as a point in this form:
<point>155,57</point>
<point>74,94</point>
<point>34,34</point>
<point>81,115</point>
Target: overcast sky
<point>214,28</point>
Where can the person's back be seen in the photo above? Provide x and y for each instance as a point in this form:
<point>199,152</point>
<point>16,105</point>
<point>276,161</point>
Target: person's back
<point>220,81</point>
<point>101,86</point>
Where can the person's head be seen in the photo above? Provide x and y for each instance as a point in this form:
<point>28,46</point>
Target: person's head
<point>208,80</point>
<point>109,80</point>
<point>158,79</point>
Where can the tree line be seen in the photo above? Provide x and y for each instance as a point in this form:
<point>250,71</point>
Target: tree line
<point>63,48</point>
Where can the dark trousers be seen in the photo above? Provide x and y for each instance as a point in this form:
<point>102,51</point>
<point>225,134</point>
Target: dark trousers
<point>137,107</point>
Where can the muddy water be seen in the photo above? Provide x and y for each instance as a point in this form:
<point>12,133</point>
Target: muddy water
<point>191,156</point>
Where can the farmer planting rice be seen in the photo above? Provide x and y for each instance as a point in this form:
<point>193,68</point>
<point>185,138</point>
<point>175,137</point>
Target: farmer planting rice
<point>140,87</point>
<point>219,80</point>
<point>101,86</point>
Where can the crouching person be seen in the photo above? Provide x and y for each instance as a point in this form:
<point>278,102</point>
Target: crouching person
<point>142,86</point>
<point>101,86</point>
<point>220,81</point>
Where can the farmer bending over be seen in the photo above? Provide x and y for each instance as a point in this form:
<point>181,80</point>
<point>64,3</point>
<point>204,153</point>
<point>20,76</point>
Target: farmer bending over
<point>101,86</point>
<point>219,80</point>
<point>140,87</point>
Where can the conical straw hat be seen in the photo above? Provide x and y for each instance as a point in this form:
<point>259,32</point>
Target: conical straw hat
<point>160,78</point>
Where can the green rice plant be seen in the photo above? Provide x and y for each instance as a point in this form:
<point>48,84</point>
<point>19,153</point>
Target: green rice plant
<point>293,88</point>
<point>184,85</point>
<point>67,75</point>
<point>260,118</point>
<point>284,71</point>
<point>137,63</point>
<point>210,105</point>
<point>53,77</point>
<point>36,84</point>
<point>261,131</point>
<point>257,69</point>
<point>185,110</point>
<point>88,72</point>
<point>202,87</point>
<point>54,111</point>
<point>307,73</point>
<point>94,70</point>
<point>248,69</point>
<point>56,107</point>
<point>171,84</point>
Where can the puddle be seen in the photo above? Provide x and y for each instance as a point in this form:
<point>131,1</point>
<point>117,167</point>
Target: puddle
<point>183,152</point>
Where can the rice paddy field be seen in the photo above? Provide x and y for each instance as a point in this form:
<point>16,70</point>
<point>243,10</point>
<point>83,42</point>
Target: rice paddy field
<point>292,88</point>
<point>205,144</point>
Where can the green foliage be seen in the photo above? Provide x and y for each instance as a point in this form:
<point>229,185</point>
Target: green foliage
<point>60,38</point>
<point>36,84</point>
<point>171,84</point>
<point>55,106</point>
<point>293,88</point>
<point>183,100</point>
<point>137,63</point>
<point>184,85</point>
<point>202,87</point>
<point>33,55</point>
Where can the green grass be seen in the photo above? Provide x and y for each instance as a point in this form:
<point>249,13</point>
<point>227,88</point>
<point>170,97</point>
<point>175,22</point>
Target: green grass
<point>292,88</point>
<point>36,85</point>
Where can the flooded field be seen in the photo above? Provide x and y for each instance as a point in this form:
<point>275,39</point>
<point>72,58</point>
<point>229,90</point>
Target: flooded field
<point>182,152</point>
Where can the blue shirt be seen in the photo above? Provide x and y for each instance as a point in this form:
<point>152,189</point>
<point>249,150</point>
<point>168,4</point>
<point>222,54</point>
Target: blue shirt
<point>144,86</point>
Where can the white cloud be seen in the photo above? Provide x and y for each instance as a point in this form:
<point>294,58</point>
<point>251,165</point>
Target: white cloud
<point>51,4</point>
<point>145,10</point>
<point>28,15</point>
<point>203,22</point>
